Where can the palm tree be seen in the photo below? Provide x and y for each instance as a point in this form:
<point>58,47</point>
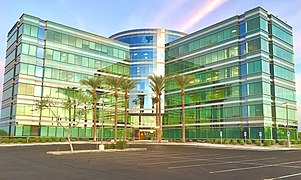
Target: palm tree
<point>114,83</point>
<point>157,84</point>
<point>183,81</point>
<point>93,84</point>
<point>126,86</point>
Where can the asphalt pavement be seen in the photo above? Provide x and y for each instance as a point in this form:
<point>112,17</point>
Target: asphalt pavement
<point>158,162</point>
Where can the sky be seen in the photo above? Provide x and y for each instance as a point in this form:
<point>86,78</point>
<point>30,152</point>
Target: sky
<point>106,17</point>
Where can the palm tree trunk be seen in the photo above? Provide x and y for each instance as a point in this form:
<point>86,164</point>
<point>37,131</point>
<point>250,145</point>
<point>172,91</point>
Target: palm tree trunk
<point>157,117</point>
<point>125,117</point>
<point>160,121</point>
<point>94,121</point>
<point>183,118</point>
<point>115,117</point>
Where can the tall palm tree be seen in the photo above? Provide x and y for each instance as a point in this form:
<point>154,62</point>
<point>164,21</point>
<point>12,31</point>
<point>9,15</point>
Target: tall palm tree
<point>114,83</point>
<point>157,84</point>
<point>183,81</point>
<point>126,86</point>
<point>93,84</point>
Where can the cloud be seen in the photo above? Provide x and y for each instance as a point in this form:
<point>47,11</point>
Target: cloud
<point>200,13</point>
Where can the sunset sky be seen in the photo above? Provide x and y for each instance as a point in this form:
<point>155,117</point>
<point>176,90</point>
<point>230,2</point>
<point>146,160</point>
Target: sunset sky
<point>106,17</point>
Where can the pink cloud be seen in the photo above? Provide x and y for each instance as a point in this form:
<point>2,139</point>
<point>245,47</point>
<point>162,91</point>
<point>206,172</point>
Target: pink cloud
<point>200,13</point>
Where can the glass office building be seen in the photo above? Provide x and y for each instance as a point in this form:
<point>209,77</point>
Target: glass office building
<point>45,58</point>
<point>147,57</point>
<point>244,74</point>
<point>243,68</point>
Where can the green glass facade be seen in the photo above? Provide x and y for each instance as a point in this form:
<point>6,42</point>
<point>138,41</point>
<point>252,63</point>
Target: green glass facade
<point>243,68</point>
<point>244,73</point>
<point>45,58</point>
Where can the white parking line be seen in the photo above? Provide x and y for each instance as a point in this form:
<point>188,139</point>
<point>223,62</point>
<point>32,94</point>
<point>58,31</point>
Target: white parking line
<point>286,176</point>
<point>212,159</point>
<point>227,162</point>
<point>155,157</point>
<point>253,167</point>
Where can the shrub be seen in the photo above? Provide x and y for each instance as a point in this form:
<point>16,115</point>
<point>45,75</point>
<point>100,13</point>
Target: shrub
<point>207,140</point>
<point>257,142</point>
<point>62,139</point>
<point>16,140</point>
<point>249,141</point>
<point>241,142</point>
<point>24,140</point>
<point>282,142</point>
<point>217,141</point>
<point>273,142</point>
<point>36,140</point>
<point>57,139</point>
<point>30,140</point>
<point>5,140</point>
<point>211,140</point>
<point>121,144</point>
<point>49,139</point>
<point>43,140</point>
<point>234,141</point>
<point>110,146</point>
<point>267,143</point>
<point>294,142</point>
<point>227,141</point>
<point>299,142</point>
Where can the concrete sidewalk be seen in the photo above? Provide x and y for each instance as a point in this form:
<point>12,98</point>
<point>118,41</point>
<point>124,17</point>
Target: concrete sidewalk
<point>224,146</point>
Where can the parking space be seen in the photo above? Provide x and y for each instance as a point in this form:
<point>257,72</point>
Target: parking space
<point>159,161</point>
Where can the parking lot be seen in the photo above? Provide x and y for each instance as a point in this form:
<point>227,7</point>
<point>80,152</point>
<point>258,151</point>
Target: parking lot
<point>158,162</point>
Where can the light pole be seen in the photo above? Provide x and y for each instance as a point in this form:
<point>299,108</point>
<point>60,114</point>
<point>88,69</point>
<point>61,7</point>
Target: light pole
<point>103,101</point>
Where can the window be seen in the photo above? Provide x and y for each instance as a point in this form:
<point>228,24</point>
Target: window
<point>65,39</point>
<point>49,54</point>
<point>255,110</point>
<point>39,71</point>
<point>72,41</point>
<point>32,50</point>
<point>41,33</point>
<point>34,31</point>
<point>98,47</point>
<point>78,60</point>
<point>48,72</point>
<point>92,45</point>
<point>233,51</point>
<point>25,48</point>
<point>253,45</point>
<point>86,45</point>
<point>253,24</point>
<point>64,57</point>
<point>40,52</point>
<point>58,37</point>
<point>71,58</point>
<point>56,55</point>
<point>50,35</point>
<point>254,67</point>
<point>79,43</point>
<point>255,88</point>
<point>26,29</point>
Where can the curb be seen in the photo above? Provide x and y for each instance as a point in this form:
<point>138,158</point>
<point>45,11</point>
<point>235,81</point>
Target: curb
<point>46,144</point>
<point>94,151</point>
<point>220,146</point>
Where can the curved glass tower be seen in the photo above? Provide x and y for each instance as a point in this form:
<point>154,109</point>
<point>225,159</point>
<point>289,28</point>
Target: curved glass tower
<point>147,57</point>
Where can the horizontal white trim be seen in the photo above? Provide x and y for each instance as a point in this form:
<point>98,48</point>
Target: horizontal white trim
<point>89,37</point>
<point>204,32</point>
<point>217,123</point>
<point>219,103</point>
<point>199,52</point>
